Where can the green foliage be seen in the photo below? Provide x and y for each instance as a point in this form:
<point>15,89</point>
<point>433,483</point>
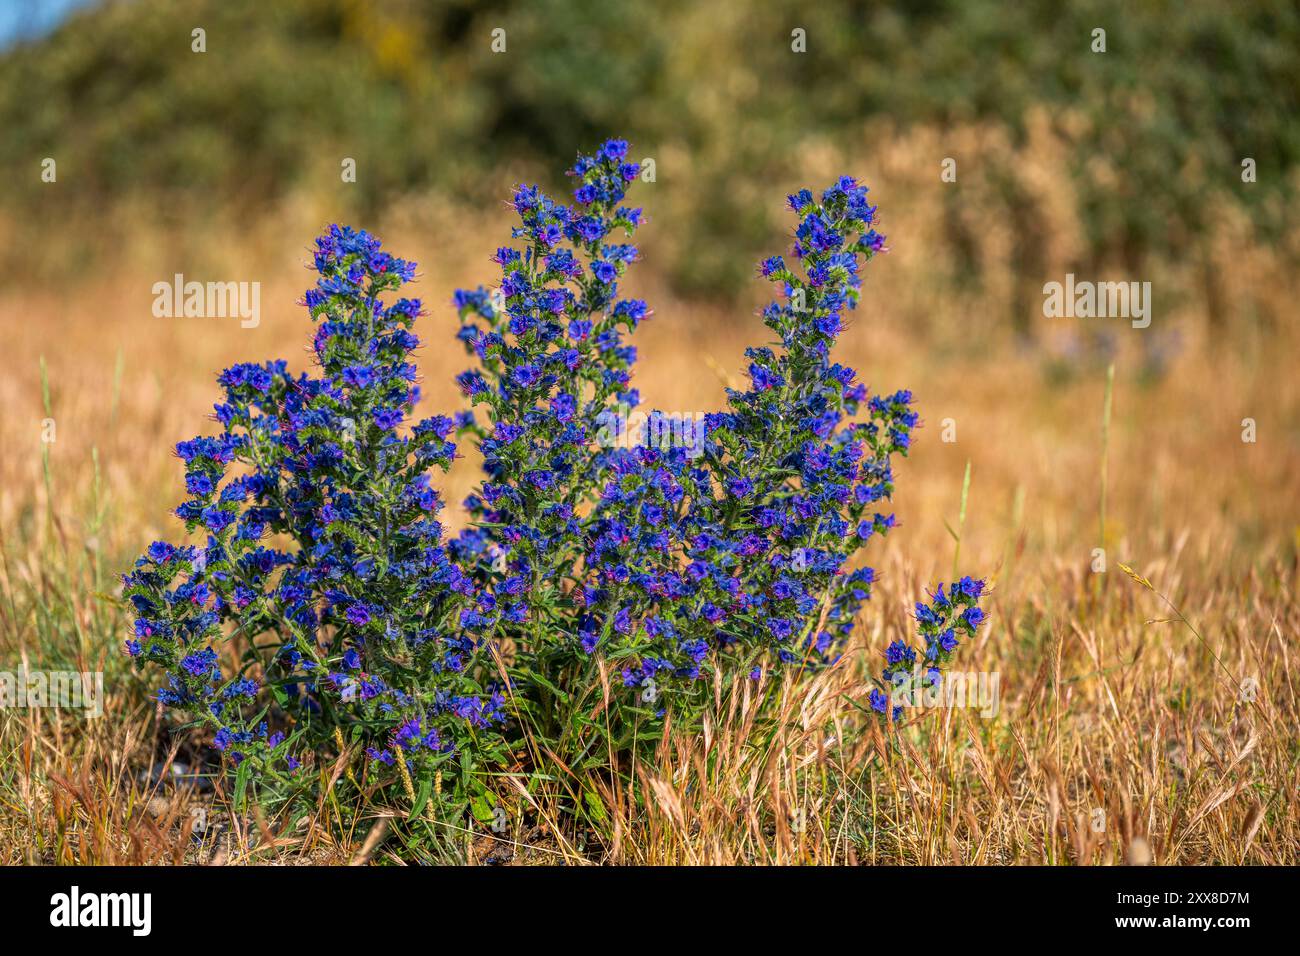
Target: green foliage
<point>414,92</point>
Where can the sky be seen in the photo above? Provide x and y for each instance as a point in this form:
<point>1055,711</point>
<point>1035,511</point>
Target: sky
<point>26,19</point>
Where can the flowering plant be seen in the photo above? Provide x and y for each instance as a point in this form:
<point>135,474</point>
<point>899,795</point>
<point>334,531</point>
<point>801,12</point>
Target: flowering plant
<point>602,575</point>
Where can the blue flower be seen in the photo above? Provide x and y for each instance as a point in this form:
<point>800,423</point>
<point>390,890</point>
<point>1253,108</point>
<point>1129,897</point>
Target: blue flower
<point>720,544</point>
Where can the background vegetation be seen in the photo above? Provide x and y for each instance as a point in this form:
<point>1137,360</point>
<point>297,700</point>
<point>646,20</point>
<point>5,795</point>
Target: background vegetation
<point>1151,133</point>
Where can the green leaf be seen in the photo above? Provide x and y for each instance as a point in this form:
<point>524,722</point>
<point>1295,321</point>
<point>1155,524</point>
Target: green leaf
<point>538,678</point>
<point>241,782</point>
<point>422,795</point>
<point>595,806</point>
<point>481,808</point>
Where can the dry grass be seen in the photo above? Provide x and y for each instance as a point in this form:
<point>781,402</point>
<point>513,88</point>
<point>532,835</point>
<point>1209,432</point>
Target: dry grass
<point>1110,699</point>
<point>1099,713</point>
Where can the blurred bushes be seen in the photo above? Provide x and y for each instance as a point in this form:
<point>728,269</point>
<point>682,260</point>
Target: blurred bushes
<point>1156,127</point>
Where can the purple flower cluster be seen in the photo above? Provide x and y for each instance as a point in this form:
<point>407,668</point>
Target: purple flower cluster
<point>942,623</point>
<point>326,586</point>
<point>669,562</point>
<point>325,571</point>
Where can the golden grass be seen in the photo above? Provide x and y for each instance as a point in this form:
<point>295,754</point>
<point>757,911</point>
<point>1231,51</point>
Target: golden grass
<point>1111,700</point>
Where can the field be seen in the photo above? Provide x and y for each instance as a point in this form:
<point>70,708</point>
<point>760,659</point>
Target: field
<point>1144,717</point>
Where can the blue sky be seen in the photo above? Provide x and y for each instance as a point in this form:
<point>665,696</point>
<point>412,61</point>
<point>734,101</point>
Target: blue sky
<point>23,19</point>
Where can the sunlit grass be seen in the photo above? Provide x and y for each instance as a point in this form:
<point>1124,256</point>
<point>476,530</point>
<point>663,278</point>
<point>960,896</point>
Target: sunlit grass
<point>1112,700</point>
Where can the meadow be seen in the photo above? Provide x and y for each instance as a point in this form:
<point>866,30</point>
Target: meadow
<point>1143,717</point>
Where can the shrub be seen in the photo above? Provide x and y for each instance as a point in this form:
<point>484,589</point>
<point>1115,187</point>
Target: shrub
<point>612,561</point>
